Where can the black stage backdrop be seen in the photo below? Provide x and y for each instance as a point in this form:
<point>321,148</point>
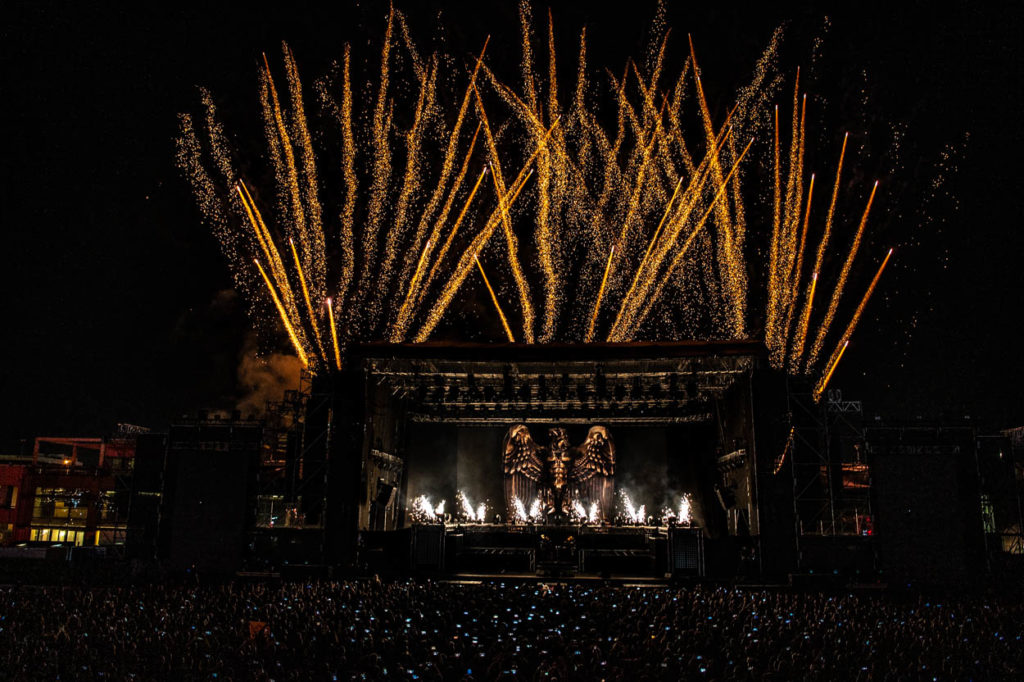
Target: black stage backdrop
<point>655,465</point>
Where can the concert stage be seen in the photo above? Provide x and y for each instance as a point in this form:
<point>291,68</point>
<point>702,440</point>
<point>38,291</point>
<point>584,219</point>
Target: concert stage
<point>545,458</point>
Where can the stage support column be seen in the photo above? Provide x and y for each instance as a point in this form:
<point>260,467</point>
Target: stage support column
<point>773,459</point>
<point>345,452</point>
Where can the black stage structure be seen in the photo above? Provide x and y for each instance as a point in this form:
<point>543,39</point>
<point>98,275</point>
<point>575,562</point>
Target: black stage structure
<point>708,420</point>
<point>781,484</point>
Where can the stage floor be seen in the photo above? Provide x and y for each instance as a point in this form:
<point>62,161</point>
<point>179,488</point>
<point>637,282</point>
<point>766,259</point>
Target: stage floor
<point>557,551</point>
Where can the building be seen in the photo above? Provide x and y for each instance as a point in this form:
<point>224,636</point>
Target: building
<point>69,491</point>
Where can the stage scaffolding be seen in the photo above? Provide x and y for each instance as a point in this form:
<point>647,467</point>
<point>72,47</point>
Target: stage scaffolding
<point>293,472</point>
<point>830,473</point>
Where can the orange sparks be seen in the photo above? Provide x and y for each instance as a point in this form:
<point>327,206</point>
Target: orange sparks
<point>494,298</point>
<point>284,317</point>
<point>600,294</point>
<point>305,295</point>
<point>820,388</point>
<point>685,247</point>
<point>647,254</point>
<point>801,336</point>
<point>834,360</point>
<point>840,286</point>
<point>334,334</point>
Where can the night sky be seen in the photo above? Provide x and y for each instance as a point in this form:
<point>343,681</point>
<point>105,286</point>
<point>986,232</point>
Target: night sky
<point>116,304</point>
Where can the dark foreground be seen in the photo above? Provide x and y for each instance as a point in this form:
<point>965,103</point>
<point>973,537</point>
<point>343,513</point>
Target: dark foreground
<point>430,631</point>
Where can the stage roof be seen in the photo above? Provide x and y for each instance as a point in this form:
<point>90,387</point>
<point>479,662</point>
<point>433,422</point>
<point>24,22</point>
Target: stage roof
<point>554,352</point>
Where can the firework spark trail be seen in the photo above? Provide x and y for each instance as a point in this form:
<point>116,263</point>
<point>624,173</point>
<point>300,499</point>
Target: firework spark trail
<point>649,94</point>
<point>689,204</point>
<point>464,265</point>
<point>256,228</point>
<point>798,185</point>
<point>400,332</point>
<point>796,353</point>
<point>552,173</point>
<point>794,154</point>
<point>774,246</point>
<point>309,305</point>
<point>649,267</point>
<point>781,289</point>
<point>410,46</point>
<point>494,298</point>
<point>381,150</point>
<point>840,347</point>
<point>732,266</point>
<point>652,300</point>
<point>648,272</point>
<point>334,334</point>
<point>793,267</point>
<point>310,187</point>
<point>801,336</point>
<point>820,387</point>
<point>288,172</point>
<point>796,271</point>
<point>824,327</point>
<point>275,263</point>
<point>466,260</point>
<point>552,179</point>
<point>675,127</point>
<point>208,196</point>
<point>447,166</point>
<point>410,184</point>
<point>220,147</point>
<point>609,151</point>
<point>600,294</point>
<point>284,317</point>
<point>823,245</point>
<point>511,243</point>
<point>348,157</point>
<point>647,255</point>
<point>633,206</point>
<point>631,322</point>
<point>600,187</point>
<point>403,316</point>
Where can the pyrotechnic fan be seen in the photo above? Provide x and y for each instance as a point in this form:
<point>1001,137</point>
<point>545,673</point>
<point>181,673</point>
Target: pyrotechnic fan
<point>622,227</point>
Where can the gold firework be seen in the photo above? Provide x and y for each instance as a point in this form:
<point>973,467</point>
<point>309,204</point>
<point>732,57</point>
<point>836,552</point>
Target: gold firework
<point>632,227</point>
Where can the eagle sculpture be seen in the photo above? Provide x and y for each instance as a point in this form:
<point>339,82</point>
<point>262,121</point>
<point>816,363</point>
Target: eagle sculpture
<point>553,479</point>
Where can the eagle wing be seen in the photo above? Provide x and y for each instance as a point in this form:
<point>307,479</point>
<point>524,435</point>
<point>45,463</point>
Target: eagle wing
<point>593,471</point>
<point>523,466</point>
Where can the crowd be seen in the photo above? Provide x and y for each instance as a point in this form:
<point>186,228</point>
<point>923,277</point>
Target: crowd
<point>369,630</point>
